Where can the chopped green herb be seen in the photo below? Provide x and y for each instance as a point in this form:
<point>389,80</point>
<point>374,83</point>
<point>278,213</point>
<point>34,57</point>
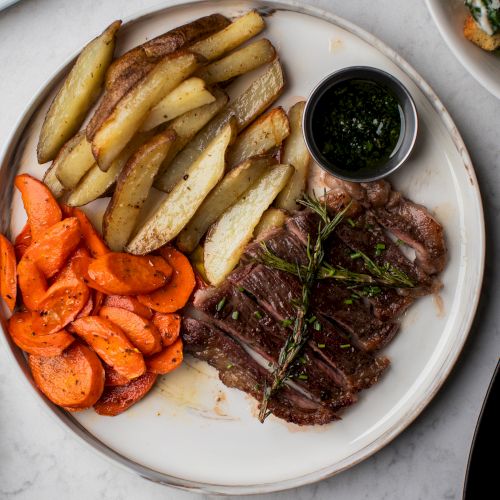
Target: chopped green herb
<point>312,319</point>
<point>235,315</point>
<point>345,346</point>
<point>229,366</point>
<point>258,314</point>
<point>321,346</point>
<point>399,242</point>
<point>241,289</point>
<point>355,255</point>
<point>351,222</point>
<point>317,326</point>
<point>302,376</point>
<point>286,322</point>
<point>348,302</point>
<point>303,360</point>
<point>379,247</point>
<point>221,304</point>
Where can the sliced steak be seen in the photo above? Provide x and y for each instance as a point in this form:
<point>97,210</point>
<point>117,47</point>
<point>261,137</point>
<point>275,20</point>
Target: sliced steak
<point>239,370</point>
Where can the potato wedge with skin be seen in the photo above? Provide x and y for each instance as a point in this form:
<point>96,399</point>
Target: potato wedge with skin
<point>53,183</point>
<point>227,239</point>
<point>186,127</point>
<point>245,108</point>
<point>132,189</point>
<point>240,30</point>
<point>265,133</point>
<point>227,192</point>
<point>77,95</point>
<point>182,202</point>
<point>130,112</point>
<point>239,62</point>
<point>97,183</point>
<point>272,218</point>
<point>190,94</point>
<point>295,153</point>
<point>74,160</point>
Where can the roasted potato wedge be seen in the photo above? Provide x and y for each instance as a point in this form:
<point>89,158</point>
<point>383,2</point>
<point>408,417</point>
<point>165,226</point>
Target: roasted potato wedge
<point>77,94</point>
<point>196,259</point>
<point>239,62</point>
<point>186,127</point>
<point>226,240</point>
<point>240,30</point>
<point>74,160</point>
<point>245,108</point>
<point>265,133</point>
<point>181,203</point>
<point>190,94</point>
<point>227,192</point>
<point>295,153</point>
<point>53,183</point>
<point>97,183</point>
<point>272,218</point>
<point>132,189</point>
<point>130,112</point>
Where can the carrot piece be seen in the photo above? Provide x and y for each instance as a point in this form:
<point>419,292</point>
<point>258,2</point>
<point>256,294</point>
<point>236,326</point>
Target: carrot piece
<point>92,238</point>
<point>74,379</point>
<point>40,205</point>
<point>176,293</point>
<point>112,378</point>
<point>111,344</point>
<point>98,300</point>
<point>23,241</point>
<point>66,210</point>
<point>169,325</point>
<point>124,274</point>
<point>115,400</point>
<point>130,304</point>
<point>77,266</point>
<point>51,251</point>
<point>21,330</point>
<point>141,332</point>
<point>167,360</point>
<point>32,283</point>
<point>8,274</point>
<point>87,308</point>
<point>65,298</point>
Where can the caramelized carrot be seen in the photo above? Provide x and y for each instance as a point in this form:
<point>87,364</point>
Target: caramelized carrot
<point>87,308</point>
<point>22,242</point>
<point>93,240</point>
<point>8,275</point>
<point>74,379</point>
<point>42,208</point>
<point>141,332</point>
<point>167,360</point>
<point>65,298</point>
<point>176,293</point>
<point>77,266</point>
<point>115,400</point>
<point>32,283</point>
<point>112,378</point>
<point>169,325</point>
<point>124,274</point>
<point>98,300</point>
<point>21,330</point>
<point>130,304</point>
<point>111,344</point>
<point>51,251</point>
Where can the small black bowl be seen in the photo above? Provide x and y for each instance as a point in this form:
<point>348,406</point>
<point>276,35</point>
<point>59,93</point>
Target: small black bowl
<point>408,129</point>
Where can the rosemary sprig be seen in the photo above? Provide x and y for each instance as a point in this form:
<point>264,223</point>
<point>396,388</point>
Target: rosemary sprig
<point>387,274</point>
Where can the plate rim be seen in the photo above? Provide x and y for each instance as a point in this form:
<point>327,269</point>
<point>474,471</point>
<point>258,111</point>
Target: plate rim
<point>8,152</point>
<point>462,59</point>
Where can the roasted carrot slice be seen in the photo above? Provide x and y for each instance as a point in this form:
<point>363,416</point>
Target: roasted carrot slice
<point>74,379</point>
<point>22,242</point>
<point>92,239</point>
<point>112,378</point>
<point>140,331</point>
<point>98,301</point>
<point>21,330</point>
<point>176,293</point>
<point>65,298</point>
<point>87,308</point>
<point>167,360</point>
<point>32,283</point>
<point>115,400</point>
<point>77,266</point>
<point>169,325</point>
<point>51,251</point>
<point>111,344</point>
<point>8,274</point>
<point>42,208</point>
<point>130,304</point>
<point>124,274</point>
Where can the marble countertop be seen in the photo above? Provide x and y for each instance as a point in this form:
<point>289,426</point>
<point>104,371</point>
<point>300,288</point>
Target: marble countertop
<point>40,460</point>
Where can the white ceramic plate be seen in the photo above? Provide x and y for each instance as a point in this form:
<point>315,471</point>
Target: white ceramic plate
<point>193,432</point>
<point>484,66</point>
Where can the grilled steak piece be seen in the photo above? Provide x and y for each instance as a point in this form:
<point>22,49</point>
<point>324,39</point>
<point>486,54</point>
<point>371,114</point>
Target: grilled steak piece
<point>239,370</point>
<point>257,330</point>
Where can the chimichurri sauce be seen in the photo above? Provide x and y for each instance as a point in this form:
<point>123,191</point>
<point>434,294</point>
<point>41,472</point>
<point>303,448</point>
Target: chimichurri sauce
<point>357,124</point>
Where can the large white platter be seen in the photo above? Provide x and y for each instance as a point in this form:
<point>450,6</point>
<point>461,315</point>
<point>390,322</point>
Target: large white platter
<point>484,66</point>
<point>193,432</point>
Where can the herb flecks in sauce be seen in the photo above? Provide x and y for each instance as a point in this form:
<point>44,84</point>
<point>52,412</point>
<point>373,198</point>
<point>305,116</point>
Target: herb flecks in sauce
<point>358,124</point>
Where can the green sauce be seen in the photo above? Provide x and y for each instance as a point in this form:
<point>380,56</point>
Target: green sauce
<point>357,125</point>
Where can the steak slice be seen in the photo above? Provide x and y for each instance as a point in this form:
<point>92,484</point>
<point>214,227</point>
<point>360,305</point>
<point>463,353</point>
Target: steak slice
<point>239,370</point>
<point>257,330</point>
